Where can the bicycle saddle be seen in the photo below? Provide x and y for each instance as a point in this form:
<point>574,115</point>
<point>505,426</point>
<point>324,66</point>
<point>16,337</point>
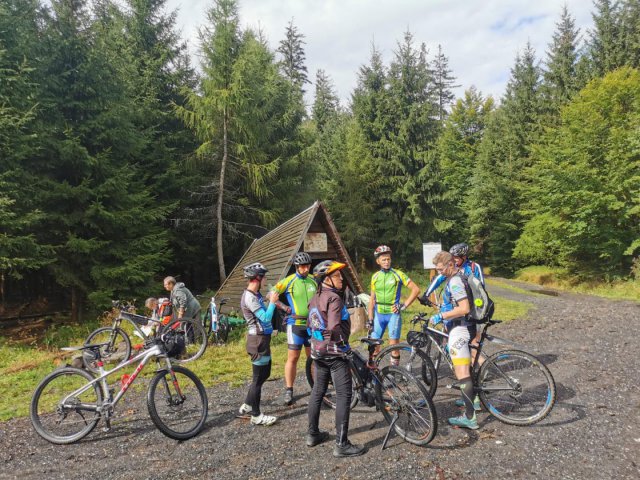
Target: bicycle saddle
<point>372,341</point>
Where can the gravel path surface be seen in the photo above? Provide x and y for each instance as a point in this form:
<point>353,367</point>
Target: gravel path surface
<point>588,343</point>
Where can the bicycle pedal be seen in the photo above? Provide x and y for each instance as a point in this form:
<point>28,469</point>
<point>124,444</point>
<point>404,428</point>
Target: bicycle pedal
<point>453,386</point>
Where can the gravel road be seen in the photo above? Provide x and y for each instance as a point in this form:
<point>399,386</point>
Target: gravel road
<point>593,432</point>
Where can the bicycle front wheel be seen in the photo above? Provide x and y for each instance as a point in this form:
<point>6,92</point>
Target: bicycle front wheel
<point>115,351</point>
<point>59,417</point>
<point>177,403</point>
<point>223,329</point>
<point>405,401</point>
<point>516,387</point>
<point>414,361</point>
<point>329,398</point>
<point>206,322</point>
<point>195,341</point>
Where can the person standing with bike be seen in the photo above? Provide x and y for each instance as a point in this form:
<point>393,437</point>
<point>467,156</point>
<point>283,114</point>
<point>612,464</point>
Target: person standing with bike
<point>330,328</point>
<point>184,303</point>
<point>298,289</point>
<point>385,307</point>
<point>454,310</point>
<point>259,330</point>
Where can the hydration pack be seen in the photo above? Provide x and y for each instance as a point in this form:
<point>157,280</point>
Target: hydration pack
<point>165,310</point>
<point>481,305</point>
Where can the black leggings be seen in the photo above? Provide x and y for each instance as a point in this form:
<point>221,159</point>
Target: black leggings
<point>260,375</point>
<point>339,372</point>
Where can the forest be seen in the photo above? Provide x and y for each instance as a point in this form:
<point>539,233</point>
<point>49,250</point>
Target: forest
<point>121,161</point>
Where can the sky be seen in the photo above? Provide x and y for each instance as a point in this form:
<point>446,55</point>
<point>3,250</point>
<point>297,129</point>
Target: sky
<point>481,38</point>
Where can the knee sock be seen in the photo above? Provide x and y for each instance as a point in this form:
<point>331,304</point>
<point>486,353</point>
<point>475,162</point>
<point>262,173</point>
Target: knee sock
<point>466,388</point>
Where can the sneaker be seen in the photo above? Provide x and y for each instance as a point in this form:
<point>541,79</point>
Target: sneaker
<point>288,397</point>
<point>314,439</point>
<point>476,403</point>
<point>263,419</point>
<point>244,409</point>
<point>348,449</point>
<point>463,421</point>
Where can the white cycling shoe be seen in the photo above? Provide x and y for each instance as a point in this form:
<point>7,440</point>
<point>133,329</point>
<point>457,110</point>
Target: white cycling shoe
<point>263,419</point>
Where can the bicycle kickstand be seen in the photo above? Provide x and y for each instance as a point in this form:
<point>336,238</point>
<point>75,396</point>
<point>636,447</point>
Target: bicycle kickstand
<point>386,437</point>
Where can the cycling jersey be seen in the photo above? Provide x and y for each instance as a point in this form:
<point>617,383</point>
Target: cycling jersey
<point>387,286</point>
<point>258,316</point>
<point>453,292</point>
<point>468,268</point>
<point>298,291</point>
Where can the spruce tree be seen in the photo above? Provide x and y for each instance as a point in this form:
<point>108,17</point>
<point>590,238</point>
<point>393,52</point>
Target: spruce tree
<point>293,58</point>
<point>444,82</point>
<point>326,102</point>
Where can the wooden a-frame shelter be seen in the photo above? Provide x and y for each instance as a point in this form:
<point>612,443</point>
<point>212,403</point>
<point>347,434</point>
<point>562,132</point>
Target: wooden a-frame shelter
<point>311,231</point>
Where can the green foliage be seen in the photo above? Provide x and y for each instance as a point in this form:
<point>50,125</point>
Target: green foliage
<point>585,203</point>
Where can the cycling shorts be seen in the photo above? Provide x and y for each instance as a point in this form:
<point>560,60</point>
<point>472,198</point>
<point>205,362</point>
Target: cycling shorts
<point>382,320</point>
<point>259,348</point>
<point>297,336</point>
<point>459,346</point>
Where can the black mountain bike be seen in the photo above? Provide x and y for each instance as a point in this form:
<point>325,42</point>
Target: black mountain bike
<point>403,400</point>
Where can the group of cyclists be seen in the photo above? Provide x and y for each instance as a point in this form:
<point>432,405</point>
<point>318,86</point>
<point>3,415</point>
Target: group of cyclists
<point>317,319</point>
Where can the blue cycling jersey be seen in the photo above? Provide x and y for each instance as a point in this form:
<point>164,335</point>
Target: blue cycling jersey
<point>468,268</point>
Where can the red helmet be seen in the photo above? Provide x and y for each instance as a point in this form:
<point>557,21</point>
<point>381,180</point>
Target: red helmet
<point>380,250</point>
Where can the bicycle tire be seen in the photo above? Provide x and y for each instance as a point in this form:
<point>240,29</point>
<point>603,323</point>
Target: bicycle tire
<point>195,341</point>
<point>414,360</point>
<point>116,352</point>
<point>223,329</point>
<point>329,397</point>
<point>177,408</point>
<point>401,394</point>
<point>524,399</point>
<point>47,413</point>
<point>206,322</point>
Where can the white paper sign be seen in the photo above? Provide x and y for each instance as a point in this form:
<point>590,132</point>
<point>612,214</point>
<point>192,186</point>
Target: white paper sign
<point>315,242</point>
<point>429,251</point>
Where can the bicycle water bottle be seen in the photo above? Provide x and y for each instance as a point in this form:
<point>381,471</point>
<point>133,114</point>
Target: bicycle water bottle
<point>214,315</point>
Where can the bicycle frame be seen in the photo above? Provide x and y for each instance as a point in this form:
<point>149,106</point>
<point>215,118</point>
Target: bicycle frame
<point>107,403</point>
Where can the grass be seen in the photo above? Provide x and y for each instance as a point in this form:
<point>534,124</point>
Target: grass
<point>559,279</point>
<point>506,286</point>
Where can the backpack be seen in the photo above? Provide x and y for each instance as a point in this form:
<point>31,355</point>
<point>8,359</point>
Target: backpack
<point>165,310</point>
<point>482,306</point>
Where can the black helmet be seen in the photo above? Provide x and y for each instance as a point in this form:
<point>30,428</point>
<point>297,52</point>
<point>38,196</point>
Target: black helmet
<point>254,270</point>
<point>327,268</point>
<point>459,250</point>
<point>302,258</point>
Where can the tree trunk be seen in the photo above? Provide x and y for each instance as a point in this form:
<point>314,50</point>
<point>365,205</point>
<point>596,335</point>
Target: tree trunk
<point>223,274</point>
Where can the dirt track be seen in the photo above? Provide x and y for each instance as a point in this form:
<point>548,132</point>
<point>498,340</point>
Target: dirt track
<point>593,432</point>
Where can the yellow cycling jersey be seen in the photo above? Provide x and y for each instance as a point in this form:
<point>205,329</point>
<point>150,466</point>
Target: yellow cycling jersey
<point>387,286</point>
<point>299,292</point>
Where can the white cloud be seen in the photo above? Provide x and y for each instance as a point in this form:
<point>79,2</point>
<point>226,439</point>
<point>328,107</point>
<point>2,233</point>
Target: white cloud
<point>481,38</point>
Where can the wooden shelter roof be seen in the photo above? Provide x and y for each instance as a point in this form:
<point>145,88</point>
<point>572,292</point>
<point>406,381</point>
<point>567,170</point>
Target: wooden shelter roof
<point>276,250</point>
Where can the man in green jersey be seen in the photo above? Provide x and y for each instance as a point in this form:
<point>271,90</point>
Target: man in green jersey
<point>385,306</point>
<point>298,289</point>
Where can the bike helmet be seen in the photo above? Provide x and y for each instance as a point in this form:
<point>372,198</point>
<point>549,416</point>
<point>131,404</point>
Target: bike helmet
<point>254,270</point>
<point>327,268</point>
<point>459,250</point>
<point>302,258</point>
<point>380,250</point>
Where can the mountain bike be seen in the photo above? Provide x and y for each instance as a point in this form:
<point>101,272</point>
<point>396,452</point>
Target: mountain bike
<point>117,343</point>
<point>403,400</point>
<point>69,402</point>
<point>513,385</point>
<point>216,324</point>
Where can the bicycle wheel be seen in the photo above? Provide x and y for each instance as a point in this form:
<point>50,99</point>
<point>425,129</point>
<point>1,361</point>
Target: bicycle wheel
<point>195,341</point>
<point>329,398</point>
<point>405,399</point>
<point>206,322</point>
<point>413,361</point>
<point>117,348</point>
<point>223,329</point>
<point>177,403</point>
<point>516,387</point>
<point>59,417</point>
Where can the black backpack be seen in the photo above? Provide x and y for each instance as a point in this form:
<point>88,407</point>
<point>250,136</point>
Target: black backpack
<point>481,305</point>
